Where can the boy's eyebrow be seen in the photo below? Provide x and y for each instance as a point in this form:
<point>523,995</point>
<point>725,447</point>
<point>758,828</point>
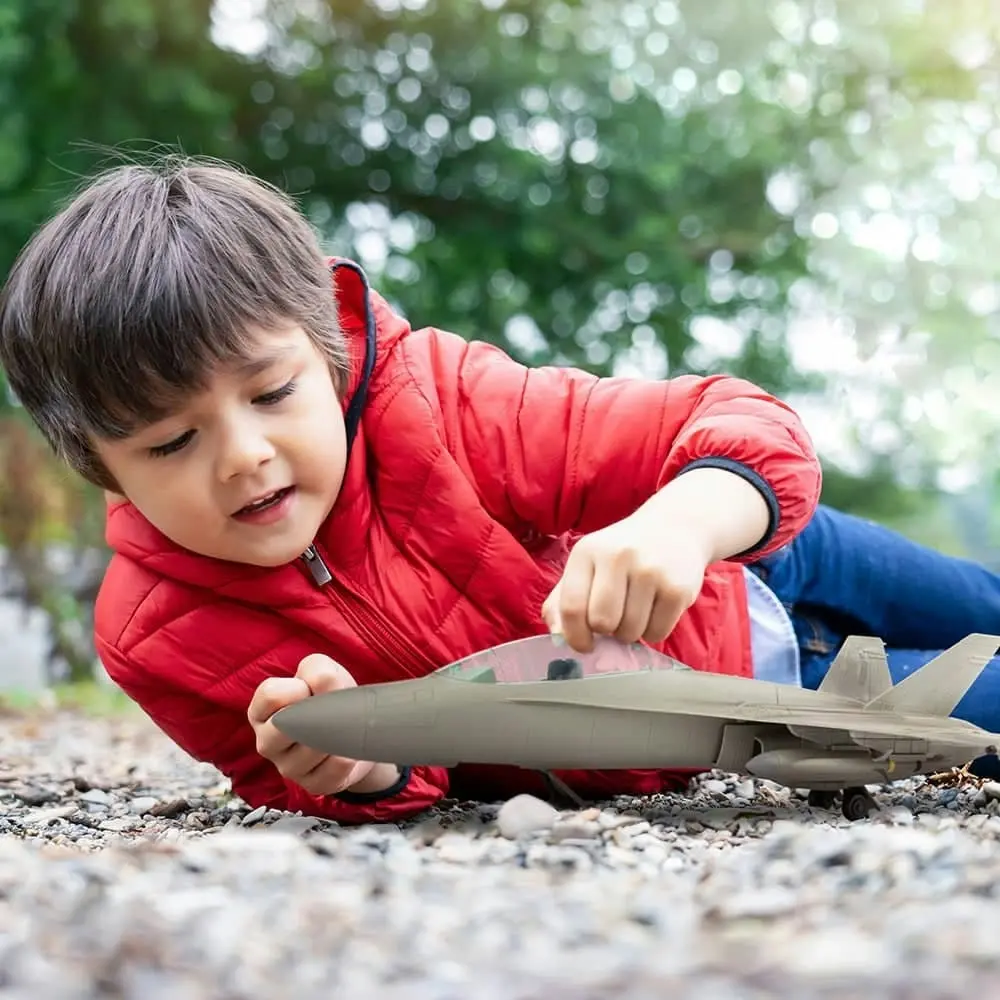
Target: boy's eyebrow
<point>257,365</point>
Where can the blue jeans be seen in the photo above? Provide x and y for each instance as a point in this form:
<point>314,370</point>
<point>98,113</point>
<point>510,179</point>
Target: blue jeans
<point>845,575</point>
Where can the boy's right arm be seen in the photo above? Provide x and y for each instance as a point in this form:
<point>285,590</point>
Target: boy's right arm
<point>208,719</point>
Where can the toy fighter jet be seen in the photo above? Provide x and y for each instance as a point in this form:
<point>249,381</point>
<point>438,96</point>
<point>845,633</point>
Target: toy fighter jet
<point>535,703</point>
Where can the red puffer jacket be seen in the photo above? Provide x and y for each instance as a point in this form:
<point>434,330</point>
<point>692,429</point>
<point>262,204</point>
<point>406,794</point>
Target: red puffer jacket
<point>468,477</point>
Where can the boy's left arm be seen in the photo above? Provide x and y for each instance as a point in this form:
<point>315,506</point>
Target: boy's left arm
<point>661,477</point>
<point>560,450</point>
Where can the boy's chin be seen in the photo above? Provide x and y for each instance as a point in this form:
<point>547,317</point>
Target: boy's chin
<point>265,556</point>
<point>275,559</point>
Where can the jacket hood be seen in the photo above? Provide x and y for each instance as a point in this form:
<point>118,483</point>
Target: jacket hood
<point>371,331</point>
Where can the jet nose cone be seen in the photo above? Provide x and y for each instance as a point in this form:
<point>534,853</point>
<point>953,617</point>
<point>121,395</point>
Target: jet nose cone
<point>333,723</point>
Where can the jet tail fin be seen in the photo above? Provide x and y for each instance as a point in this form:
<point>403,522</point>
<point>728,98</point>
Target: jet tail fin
<point>937,687</point>
<point>860,670</point>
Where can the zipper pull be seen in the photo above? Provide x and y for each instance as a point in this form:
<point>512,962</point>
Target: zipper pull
<point>317,568</point>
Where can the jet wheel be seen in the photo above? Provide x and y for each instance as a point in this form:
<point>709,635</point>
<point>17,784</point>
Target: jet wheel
<point>858,803</point>
<point>821,798</point>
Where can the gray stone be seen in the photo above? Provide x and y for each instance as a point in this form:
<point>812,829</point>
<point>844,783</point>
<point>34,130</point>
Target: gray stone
<point>295,824</point>
<point>761,902</point>
<point>524,814</point>
<point>254,816</point>
<point>991,789</point>
<point>574,829</point>
<point>96,797</point>
<point>121,824</point>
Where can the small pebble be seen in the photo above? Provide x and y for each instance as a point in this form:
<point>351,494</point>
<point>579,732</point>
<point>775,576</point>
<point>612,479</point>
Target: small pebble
<point>295,824</point>
<point>524,814</point>
<point>254,816</point>
<point>991,789</point>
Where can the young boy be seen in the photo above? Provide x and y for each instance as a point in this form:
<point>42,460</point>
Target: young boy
<point>307,494</point>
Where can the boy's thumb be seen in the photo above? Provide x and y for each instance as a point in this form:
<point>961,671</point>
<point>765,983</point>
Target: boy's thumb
<point>323,674</point>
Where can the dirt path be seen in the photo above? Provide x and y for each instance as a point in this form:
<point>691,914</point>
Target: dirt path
<point>129,871</point>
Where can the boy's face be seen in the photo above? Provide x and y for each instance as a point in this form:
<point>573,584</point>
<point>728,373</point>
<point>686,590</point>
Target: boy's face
<point>247,470</point>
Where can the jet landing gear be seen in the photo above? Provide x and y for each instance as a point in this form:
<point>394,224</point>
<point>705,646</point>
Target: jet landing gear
<point>820,798</point>
<point>857,803</point>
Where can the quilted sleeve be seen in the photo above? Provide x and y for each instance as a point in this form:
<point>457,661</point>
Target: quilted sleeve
<point>210,724</point>
<point>558,449</point>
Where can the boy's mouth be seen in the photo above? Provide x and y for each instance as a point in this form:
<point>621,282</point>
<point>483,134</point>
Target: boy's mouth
<point>265,502</point>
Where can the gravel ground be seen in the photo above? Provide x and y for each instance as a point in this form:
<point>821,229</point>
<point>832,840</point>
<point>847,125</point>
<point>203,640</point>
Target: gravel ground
<point>129,871</point>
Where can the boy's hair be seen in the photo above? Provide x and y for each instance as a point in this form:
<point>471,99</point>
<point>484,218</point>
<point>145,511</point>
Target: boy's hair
<point>126,299</point>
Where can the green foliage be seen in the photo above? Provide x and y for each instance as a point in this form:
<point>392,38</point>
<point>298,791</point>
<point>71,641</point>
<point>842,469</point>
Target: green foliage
<point>92,697</point>
<point>581,182</point>
<point>99,73</point>
<point>500,174</point>
<point>86,697</point>
<point>506,180</point>
<point>651,185</point>
<point>917,512</point>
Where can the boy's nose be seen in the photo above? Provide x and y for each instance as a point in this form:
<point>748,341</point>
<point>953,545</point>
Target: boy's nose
<point>244,453</point>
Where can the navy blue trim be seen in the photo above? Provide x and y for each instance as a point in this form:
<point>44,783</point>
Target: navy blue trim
<point>755,479</point>
<point>366,798</point>
<point>354,409</point>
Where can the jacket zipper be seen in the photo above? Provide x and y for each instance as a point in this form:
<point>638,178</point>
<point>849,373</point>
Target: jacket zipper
<point>317,568</point>
<point>368,624</point>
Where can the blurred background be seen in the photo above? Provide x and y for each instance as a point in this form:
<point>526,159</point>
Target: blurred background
<point>803,193</point>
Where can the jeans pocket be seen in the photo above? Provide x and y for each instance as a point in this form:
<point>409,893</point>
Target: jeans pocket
<point>818,645</point>
<point>814,634</point>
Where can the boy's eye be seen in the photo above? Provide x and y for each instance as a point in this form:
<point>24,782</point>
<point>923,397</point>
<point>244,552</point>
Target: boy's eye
<point>171,446</point>
<point>270,398</point>
<point>267,399</point>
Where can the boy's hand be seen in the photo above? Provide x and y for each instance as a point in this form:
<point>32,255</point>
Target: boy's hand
<point>629,581</point>
<point>635,578</point>
<point>318,773</point>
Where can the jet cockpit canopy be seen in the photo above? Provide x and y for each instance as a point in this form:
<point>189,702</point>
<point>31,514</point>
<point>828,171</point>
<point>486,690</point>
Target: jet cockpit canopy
<point>530,660</point>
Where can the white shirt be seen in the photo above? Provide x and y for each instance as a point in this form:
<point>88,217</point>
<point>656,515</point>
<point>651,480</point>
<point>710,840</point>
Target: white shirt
<point>773,644</point>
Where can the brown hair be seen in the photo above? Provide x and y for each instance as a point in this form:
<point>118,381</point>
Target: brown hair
<point>148,278</point>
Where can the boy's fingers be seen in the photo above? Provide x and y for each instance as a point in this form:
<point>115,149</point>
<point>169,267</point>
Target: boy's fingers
<point>295,760</point>
<point>550,610</point>
<point>329,776</point>
<point>574,604</point>
<point>275,693</point>
<point>662,619</point>
<point>607,600</point>
<point>272,743</point>
<point>638,611</point>
<point>323,674</point>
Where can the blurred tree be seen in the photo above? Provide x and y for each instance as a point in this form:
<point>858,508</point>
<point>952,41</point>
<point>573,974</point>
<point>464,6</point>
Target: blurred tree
<point>901,205</point>
<point>99,74</point>
<point>522,172</point>
<point>641,186</point>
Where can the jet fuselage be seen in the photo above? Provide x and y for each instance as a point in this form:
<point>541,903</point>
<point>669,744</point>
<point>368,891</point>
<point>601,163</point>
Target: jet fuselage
<point>649,719</point>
